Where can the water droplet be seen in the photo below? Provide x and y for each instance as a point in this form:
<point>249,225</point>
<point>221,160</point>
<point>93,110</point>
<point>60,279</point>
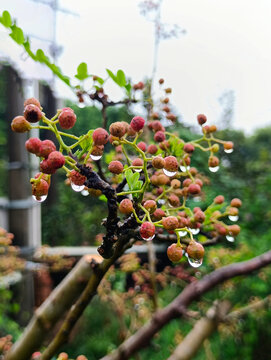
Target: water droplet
<point>214,169</point>
<point>161,201</point>
<point>77,188</point>
<point>137,170</point>
<point>149,239</point>
<point>39,198</point>
<point>84,192</point>
<point>228,151</point>
<point>233,217</point>
<point>185,254</point>
<point>230,238</point>
<point>169,173</point>
<point>184,169</point>
<point>182,232</point>
<point>81,105</point>
<point>195,263</point>
<point>95,157</point>
<point>194,231</point>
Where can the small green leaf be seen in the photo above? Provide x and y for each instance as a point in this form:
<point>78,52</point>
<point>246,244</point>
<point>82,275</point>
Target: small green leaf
<point>40,56</point>
<point>128,88</point>
<point>87,142</point>
<point>17,34</point>
<point>129,178</point>
<point>113,77</point>
<point>6,19</point>
<point>100,80</point>
<point>103,198</point>
<point>121,79</point>
<point>82,71</point>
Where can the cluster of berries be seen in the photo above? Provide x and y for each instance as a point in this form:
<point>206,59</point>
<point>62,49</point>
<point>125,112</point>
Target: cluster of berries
<point>156,197</point>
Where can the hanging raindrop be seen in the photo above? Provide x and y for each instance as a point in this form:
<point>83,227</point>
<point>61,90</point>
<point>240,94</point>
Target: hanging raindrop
<point>95,157</point>
<point>169,173</point>
<point>39,198</point>
<point>77,188</point>
<point>149,239</point>
<point>214,169</point>
<point>230,238</point>
<point>161,201</point>
<point>84,192</point>
<point>81,105</point>
<point>137,170</point>
<point>182,232</point>
<point>195,263</point>
<point>194,231</point>
<point>184,169</point>
<point>233,217</point>
<point>228,151</point>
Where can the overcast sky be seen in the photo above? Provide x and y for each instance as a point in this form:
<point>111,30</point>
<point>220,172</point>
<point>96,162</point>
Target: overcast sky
<point>227,47</point>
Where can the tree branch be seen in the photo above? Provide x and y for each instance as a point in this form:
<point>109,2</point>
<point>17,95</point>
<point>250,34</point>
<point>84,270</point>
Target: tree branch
<point>176,308</point>
<point>77,309</point>
<point>208,324</point>
<point>95,182</point>
<point>201,331</point>
<point>49,313</point>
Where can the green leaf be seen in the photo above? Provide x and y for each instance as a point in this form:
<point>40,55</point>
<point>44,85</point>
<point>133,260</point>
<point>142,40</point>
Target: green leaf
<point>17,34</point>
<point>82,71</point>
<point>176,147</point>
<point>121,79</point>
<point>129,177</point>
<point>128,88</point>
<point>40,56</point>
<point>87,142</point>
<point>103,198</point>
<point>6,19</point>
<point>100,80</point>
<point>113,77</point>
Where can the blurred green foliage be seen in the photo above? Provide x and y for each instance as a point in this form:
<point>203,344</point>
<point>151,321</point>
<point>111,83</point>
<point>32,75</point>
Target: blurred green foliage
<point>8,310</point>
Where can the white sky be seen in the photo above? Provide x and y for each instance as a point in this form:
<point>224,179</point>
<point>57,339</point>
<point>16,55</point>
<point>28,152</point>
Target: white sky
<point>227,47</point>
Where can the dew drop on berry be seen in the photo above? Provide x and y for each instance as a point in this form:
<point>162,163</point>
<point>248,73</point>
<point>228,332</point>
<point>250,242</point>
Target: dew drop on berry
<point>230,238</point>
<point>195,263</point>
<point>228,151</point>
<point>161,201</point>
<point>149,238</point>
<point>77,188</point>
<point>233,217</point>
<point>184,168</point>
<point>194,231</point>
<point>84,192</point>
<point>39,198</point>
<point>182,233</point>
<point>96,157</point>
<point>214,169</point>
<point>169,173</point>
